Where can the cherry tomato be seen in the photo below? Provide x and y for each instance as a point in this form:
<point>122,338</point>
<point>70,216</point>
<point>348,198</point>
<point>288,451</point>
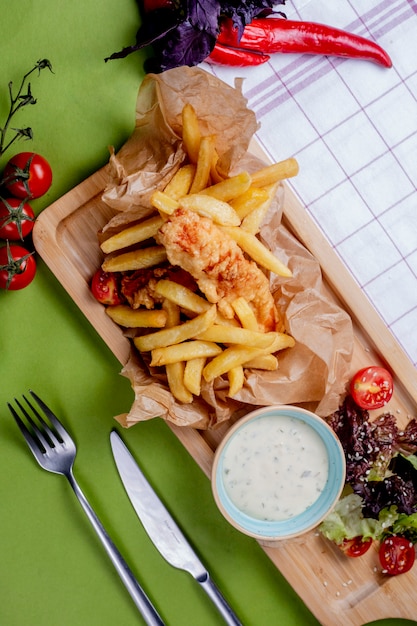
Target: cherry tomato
<point>396,555</point>
<point>16,218</point>
<point>17,267</point>
<point>356,546</point>
<point>27,175</point>
<point>105,288</point>
<point>372,387</point>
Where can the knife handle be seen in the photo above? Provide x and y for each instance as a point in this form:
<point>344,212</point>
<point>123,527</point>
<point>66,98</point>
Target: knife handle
<point>216,597</point>
<point>139,597</point>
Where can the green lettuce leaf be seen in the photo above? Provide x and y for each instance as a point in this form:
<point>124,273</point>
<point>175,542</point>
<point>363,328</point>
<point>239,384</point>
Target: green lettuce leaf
<point>346,521</point>
<point>405,526</point>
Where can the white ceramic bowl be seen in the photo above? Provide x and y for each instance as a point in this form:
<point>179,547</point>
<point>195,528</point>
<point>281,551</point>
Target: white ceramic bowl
<point>277,473</point>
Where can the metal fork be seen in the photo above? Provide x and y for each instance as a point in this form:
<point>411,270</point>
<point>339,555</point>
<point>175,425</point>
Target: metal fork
<point>55,451</point>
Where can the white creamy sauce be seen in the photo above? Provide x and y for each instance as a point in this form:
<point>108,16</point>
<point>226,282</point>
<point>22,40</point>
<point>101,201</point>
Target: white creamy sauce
<point>275,468</point>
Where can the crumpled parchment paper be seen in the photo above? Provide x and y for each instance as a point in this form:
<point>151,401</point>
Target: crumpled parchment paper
<point>312,374</point>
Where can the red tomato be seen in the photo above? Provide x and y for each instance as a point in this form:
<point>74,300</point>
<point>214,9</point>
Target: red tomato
<point>27,175</point>
<point>105,288</point>
<point>396,555</point>
<point>356,546</point>
<point>372,387</point>
<point>17,267</point>
<point>16,219</point>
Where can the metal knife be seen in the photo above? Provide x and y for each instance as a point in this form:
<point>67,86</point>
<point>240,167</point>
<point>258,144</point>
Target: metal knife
<point>161,527</point>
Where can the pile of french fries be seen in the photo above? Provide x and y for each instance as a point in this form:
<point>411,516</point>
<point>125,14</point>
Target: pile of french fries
<point>189,336</point>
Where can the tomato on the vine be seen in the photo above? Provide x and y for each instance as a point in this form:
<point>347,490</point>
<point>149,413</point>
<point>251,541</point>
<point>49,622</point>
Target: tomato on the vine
<point>105,287</point>
<point>396,555</point>
<point>27,175</point>
<point>356,546</point>
<point>372,387</point>
<point>17,267</point>
<point>16,219</point>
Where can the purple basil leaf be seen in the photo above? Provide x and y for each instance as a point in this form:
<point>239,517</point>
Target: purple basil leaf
<point>243,13</point>
<point>204,15</point>
<point>185,45</point>
<point>151,30</point>
<point>186,34</point>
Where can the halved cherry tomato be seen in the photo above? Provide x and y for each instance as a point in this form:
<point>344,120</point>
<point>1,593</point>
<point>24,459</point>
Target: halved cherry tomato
<point>105,287</point>
<point>17,267</point>
<point>356,546</point>
<point>396,555</point>
<point>16,219</point>
<point>27,175</point>
<point>372,387</point>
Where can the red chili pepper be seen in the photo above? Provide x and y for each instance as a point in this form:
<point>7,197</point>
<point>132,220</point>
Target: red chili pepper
<point>286,36</point>
<point>237,57</point>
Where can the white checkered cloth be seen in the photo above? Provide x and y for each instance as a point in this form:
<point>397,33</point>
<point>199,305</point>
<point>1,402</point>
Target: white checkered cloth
<point>352,126</point>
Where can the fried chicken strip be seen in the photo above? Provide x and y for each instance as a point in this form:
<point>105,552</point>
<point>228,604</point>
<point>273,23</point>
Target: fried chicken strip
<point>216,262</point>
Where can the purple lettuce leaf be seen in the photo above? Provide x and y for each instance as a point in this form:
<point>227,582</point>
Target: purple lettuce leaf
<point>379,494</point>
<point>407,438</point>
<point>375,466</point>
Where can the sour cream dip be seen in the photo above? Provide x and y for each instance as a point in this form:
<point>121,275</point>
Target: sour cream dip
<point>277,473</point>
<point>275,469</point>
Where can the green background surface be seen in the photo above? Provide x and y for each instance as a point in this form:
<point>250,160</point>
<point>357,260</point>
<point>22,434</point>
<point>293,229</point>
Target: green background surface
<point>52,568</point>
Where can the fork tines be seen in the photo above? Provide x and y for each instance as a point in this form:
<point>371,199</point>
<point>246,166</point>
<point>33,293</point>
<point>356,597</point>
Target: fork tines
<point>39,433</point>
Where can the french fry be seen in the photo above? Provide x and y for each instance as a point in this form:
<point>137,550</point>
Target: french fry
<point>172,311</point>
<point>182,296</point>
<point>281,341</point>
<point>183,351</point>
<point>257,251</point>
<point>127,317</point>
<point>230,358</point>
<point>248,201</point>
<point>230,188</point>
<point>135,260</point>
<point>236,378</point>
<point>133,234</point>
<point>175,377</point>
<point>164,203</point>
<point>238,355</point>
<point>175,371</point>
<point>188,300</point>
<point>215,175</point>
<point>234,334</point>
<point>274,173</point>
<point>192,374</point>
<point>204,161</point>
<point>180,183</point>
<point>245,313</point>
<point>253,221</point>
<point>176,334</point>
<point>191,134</point>
<point>265,362</point>
<point>220,212</point>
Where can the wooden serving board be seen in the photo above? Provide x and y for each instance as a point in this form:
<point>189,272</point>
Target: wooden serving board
<point>337,590</point>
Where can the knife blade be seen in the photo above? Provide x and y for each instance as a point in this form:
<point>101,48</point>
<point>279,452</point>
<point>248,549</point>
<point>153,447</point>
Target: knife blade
<point>162,529</point>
